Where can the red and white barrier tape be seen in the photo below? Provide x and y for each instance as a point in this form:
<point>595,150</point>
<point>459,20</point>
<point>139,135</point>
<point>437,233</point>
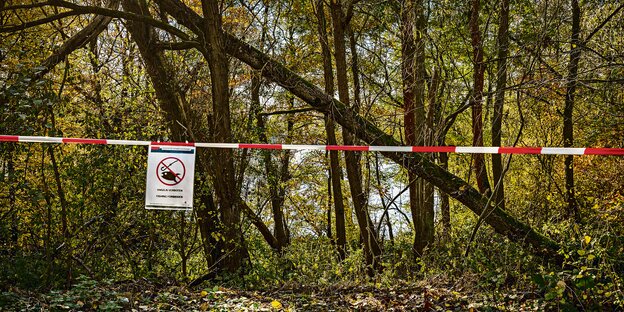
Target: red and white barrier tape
<point>410,149</point>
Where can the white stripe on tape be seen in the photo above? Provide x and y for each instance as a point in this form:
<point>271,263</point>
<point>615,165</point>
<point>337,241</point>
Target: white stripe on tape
<point>38,139</point>
<point>127,142</point>
<point>390,148</point>
<point>303,147</point>
<point>217,145</point>
<point>563,151</point>
<point>476,150</point>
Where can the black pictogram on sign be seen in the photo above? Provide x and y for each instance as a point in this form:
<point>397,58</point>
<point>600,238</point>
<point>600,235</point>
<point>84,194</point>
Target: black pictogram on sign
<point>170,171</point>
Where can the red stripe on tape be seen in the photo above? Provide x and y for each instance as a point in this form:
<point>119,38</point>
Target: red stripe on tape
<point>9,138</point>
<point>261,146</point>
<point>520,150</point>
<point>84,141</point>
<point>604,151</point>
<point>433,149</point>
<point>347,148</point>
<point>174,143</point>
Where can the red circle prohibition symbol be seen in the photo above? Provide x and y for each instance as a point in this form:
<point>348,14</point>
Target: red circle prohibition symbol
<point>168,171</point>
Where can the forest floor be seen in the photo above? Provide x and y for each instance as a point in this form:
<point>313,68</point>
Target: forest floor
<point>145,296</point>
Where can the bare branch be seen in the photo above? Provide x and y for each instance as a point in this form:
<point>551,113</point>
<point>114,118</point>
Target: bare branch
<point>38,22</point>
<point>292,111</point>
<point>599,27</point>
<point>25,6</point>
<point>80,9</point>
<point>175,46</point>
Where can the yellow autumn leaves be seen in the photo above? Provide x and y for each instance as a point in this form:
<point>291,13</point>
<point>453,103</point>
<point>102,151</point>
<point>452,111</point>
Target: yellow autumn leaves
<point>235,302</point>
<point>276,304</point>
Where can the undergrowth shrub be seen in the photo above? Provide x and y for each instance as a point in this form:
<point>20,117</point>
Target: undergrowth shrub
<point>591,275</point>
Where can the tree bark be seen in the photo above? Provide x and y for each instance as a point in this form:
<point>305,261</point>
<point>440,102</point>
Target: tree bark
<point>64,217</point>
<point>476,101</point>
<point>499,102</point>
<point>335,172</point>
<point>408,52</point>
<point>413,73</point>
<point>15,233</point>
<point>425,216</point>
<point>223,161</point>
<point>568,111</point>
<point>445,204</point>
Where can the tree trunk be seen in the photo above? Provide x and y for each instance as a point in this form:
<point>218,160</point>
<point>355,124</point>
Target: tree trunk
<point>372,249</point>
<point>476,101</point>
<point>425,236</point>
<point>568,111</point>
<point>223,161</point>
<point>64,217</point>
<point>173,104</point>
<point>445,205</point>
<point>13,241</point>
<point>413,73</point>
<point>283,235</point>
<point>183,242</point>
<point>408,51</point>
<point>335,172</point>
<point>499,101</point>
<point>48,236</point>
<point>275,179</point>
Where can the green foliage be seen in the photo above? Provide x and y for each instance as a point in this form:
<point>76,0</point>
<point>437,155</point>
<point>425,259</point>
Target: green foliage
<point>28,271</point>
<point>85,295</point>
<point>591,275</point>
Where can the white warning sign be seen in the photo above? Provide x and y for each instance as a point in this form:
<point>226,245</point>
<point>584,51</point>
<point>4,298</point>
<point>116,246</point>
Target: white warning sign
<point>170,175</point>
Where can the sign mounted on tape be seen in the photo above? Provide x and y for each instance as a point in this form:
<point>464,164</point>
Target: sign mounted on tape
<point>170,175</point>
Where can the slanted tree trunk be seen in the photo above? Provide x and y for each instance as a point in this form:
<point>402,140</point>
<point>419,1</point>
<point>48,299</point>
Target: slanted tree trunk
<point>568,110</point>
<point>90,32</point>
<point>502,42</point>
<point>161,74</point>
<point>476,101</point>
<point>372,249</point>
<point>335,172</point>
